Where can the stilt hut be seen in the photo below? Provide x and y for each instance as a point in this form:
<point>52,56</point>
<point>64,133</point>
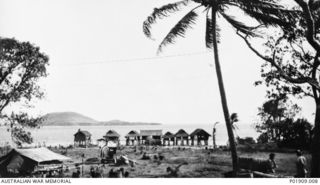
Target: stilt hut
<point>151,137</point>
<point>132,138</point>
<point>167,138</point>
<point>113,136</point>
<point>181,136</point>
<point>82,138</point>
<point>199,135</point>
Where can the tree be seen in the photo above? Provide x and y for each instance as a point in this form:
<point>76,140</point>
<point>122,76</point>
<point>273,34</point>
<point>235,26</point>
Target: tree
<point>266,12</point>
<point>271,115</point>
<point>292,64</point>
<point>245,141</point>
<point>21,66</point>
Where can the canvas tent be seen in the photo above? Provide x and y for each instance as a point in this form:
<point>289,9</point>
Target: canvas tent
<point>22,162</point>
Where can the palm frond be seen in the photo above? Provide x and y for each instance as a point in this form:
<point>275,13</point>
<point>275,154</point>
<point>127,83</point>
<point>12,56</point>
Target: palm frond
<point>218,31</point>
<point>159,13</point>
<point>256,4</point>
<point>234,127</point>
<point>268,12</point>
<point>247,30</point>
<point>209,32</point>
<point>234,117</point>
<point>179,29</point>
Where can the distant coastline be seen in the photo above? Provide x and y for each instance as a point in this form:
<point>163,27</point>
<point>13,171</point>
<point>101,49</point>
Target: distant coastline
<point>76,119</point>
<point>102,124</point>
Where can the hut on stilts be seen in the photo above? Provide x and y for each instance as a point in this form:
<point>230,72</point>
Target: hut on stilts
<point>181,136</point>
<point>167,138</point>
<point>82,138</point>
<point>199,135</point>
<point>132,138</point>
<point>150,137</point>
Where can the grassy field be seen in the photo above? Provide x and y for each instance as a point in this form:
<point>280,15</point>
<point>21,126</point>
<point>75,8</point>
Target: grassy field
<point>199,163</point>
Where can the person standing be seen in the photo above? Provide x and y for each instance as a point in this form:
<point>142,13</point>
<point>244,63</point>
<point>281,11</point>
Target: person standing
<point>271,163</point>
<point>301,164</point>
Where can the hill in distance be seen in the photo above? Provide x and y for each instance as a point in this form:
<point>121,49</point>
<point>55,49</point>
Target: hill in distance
<point>74,119</point>
<point>67,119</point>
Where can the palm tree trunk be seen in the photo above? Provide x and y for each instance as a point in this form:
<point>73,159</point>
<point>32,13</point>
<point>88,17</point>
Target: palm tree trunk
<point>223,96</point>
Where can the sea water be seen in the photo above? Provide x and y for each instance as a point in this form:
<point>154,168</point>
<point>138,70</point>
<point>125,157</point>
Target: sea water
<point>64,135</point>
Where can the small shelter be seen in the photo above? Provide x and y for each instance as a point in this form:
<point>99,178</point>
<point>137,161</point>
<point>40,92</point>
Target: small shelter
<point>199,135</point>
<point>150,137</point>
<point>24,162</point>
<point>181,136</point>
<point>82,138</point>
<point>132,138</point>
<point>113,136</point>
<point>167,138</point>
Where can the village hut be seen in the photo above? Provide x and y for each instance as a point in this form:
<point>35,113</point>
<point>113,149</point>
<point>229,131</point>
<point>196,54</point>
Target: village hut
<point>181,136</point>
<point>167,138</point>
<point>199,135</point>
<point>150,137</point>
<point>113,136</point>
<point>82,138</point>
<point>132,138</point>
<point>24,162</point>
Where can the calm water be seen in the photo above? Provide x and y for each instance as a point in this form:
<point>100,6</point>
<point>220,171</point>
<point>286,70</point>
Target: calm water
<point>63,135</point>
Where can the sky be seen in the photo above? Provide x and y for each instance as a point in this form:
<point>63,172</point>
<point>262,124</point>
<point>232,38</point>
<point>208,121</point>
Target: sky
<point>102,66</point>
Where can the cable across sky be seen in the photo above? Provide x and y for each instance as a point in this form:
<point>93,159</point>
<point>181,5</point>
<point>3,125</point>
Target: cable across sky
<point>141,59</point>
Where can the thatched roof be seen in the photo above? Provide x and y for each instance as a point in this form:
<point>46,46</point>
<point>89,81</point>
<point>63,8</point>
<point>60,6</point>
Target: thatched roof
<point>41,155</point>
<point>181,133</point>
<point>150,132</point>
<point>132,133</point>
<point>84,132</point>
<point>112,133</point>
<point>200,132</point>
<point>168,135</point>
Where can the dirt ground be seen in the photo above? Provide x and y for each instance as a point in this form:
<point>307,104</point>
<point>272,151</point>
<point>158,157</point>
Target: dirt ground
<point>199,163</point>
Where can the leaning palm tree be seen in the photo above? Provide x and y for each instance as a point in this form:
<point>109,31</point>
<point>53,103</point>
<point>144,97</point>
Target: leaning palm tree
<point>266,12</point>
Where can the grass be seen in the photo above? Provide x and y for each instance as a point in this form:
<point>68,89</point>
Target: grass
<point>198,162</point>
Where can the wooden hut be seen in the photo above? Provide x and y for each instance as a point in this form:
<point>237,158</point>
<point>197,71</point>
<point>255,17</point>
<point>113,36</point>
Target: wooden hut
<point>167,138</point>
<point>132,138</point>
<point>113,136</point>
<point>199,135</point>
<point>82,138</point>
<point>181,136</point>
<point>150,137</point>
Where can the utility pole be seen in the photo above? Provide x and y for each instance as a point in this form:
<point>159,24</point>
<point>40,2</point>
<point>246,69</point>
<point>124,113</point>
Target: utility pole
<point>82,156</point>
<point>214,135</point>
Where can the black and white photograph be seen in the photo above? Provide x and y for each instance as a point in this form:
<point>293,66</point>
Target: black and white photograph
<point>169,89</point>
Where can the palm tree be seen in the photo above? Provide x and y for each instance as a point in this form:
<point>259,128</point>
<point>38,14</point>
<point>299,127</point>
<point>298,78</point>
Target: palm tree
<point>233,119</point>
<point>266,12</point>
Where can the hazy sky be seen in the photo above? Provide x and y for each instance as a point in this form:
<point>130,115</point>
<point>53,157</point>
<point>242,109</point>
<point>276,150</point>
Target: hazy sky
<point>101,64</point>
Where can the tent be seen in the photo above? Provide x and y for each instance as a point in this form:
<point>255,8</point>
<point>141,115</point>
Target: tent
<point>20,162</point>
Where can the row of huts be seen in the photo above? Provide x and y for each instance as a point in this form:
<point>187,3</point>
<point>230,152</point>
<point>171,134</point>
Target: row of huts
<point>147,137</point>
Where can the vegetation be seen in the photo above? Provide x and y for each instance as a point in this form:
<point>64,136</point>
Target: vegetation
<point>266,12</point>
<point>199,163</point>
<point>292,63</point>
<point>21,66</point>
